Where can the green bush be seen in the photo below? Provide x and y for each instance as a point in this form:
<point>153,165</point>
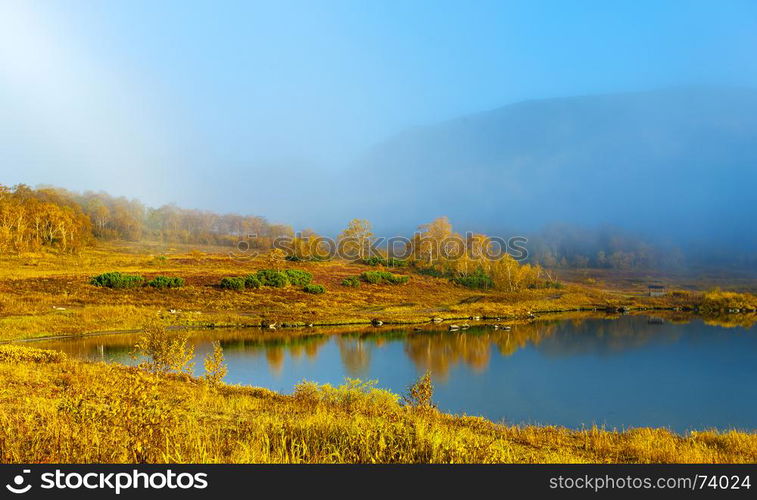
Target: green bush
<point>314,289</point>
<point>479,280</point>
<point>352,281</point>
<point>430,271</point>
<point>232,283</point>
<point>311,258</point>
<point>166,282</point>
<point>374,277</point>
<point>298,277</point>
<point>381,261</point>
<point>378,277</point>
<point>272,277</point>
<point>251,281</point>
<point>117,280</point>
<point>373,261</point>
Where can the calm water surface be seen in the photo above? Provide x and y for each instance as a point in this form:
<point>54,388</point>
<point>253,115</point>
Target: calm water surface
<point>617,373</point>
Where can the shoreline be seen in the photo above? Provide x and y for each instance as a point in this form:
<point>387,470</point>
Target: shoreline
<point>482,321</point>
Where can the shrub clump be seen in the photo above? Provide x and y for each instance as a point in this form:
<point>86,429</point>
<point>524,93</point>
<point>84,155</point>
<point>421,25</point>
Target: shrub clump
<point>420,393</point>
<point>306,258</point>
<point>164,352</point>
<point>272,277</point>
<point>381,261</point>
<point>315,289</point>
<point>478,280</point>
<point>233,283</point>
<point>380,277</point>
<point>298,277</point>
<point>252,281</point>
<point>10,353</point>
<point>166,282</point>
<point>215,368</point>
<point>117,280</point>
<point>354,395</point>
<point>352,281</point>
<point>433,272</point>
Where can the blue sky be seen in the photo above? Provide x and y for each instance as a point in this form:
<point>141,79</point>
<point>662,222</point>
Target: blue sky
<point>202,102</point>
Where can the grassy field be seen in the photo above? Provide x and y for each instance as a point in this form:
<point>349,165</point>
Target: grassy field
<point>55,409</point>
<point>48,294</point>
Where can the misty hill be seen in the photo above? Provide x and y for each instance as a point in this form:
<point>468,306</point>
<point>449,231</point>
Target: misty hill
<point>679,163</point>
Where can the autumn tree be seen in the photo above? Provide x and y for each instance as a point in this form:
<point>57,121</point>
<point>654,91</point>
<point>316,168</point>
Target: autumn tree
<point>510,275</point>
<point>355,240</point>
<point>428,240</point>
<point>475,256</point>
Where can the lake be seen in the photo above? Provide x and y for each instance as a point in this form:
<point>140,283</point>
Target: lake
<point>617,373</point>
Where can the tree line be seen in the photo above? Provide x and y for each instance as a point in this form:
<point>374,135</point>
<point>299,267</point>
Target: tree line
<point>48,217</point>
<point>33,219</point>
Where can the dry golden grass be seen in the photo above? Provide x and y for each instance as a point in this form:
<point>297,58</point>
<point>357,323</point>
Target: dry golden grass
<point>47,294</point>
<point>54,409</point>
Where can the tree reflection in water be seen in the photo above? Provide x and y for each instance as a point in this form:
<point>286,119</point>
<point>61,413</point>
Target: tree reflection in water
<point>436,350</point>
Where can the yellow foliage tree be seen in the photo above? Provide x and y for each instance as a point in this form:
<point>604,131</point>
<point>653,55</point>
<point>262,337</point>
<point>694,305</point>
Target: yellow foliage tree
<point>508,274</point>
<point>427,243</point>
<point>355,240</point>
